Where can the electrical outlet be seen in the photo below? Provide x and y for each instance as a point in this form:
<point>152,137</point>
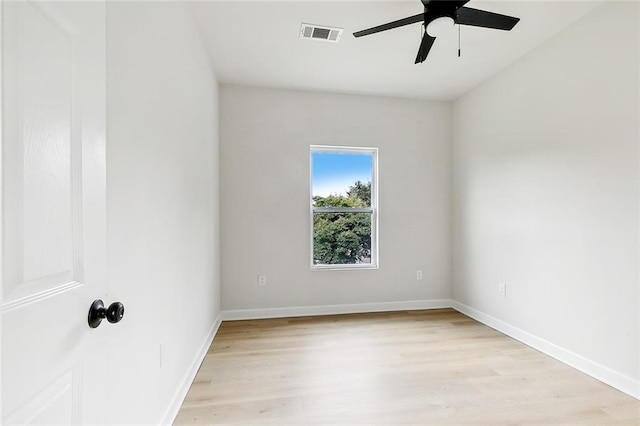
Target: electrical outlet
<point>418,275</point>
<point>262,280</point>
<point>502,289</point>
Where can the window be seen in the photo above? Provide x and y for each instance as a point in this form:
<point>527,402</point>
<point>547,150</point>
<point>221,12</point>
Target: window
<point>344,207</point>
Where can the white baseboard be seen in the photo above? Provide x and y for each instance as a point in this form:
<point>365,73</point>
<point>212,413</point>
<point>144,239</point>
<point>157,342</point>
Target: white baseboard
<point>598,371</point>
<point>303,311</point>
<point>178,397</point>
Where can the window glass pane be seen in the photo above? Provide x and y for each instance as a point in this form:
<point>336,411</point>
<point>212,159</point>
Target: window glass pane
<point>341,179</point>
<point>341,238</point>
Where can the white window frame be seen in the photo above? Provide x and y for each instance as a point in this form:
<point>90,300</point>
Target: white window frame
<point>373,209</point>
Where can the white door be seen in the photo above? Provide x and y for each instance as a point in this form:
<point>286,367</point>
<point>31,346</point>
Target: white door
<point>53,224</point>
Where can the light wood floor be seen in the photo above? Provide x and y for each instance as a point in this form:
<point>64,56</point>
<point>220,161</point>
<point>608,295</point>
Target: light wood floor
<point>417,367</point>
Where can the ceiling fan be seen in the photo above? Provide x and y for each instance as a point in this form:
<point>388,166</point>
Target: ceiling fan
<point>454,9</point>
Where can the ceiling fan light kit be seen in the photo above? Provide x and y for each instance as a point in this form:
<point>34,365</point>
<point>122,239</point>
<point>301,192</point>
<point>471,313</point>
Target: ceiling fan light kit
<point>454,9</point>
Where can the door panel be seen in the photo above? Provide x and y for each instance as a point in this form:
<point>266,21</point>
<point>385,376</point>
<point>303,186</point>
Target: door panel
<point>41,181</point>
<point>57,403</point>
<point>53,69</point>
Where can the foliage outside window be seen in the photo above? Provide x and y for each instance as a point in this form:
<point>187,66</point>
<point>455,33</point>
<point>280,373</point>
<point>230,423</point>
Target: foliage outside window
<point>343,207</point>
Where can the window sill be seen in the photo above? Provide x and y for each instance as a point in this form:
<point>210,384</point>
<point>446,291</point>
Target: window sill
<point>315,268</point>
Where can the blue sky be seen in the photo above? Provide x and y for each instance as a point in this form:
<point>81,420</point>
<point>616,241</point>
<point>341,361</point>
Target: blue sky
<point>333,173</point>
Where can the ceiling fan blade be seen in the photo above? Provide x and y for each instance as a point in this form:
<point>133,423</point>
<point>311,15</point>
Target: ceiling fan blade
<point>481,18</point>
<point>390,25</point>
<point>425,47</point>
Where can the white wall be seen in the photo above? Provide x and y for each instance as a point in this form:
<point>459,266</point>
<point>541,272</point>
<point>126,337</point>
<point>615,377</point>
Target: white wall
<point>162,183</point>
<point>545,191</point>
<point>264,152</point>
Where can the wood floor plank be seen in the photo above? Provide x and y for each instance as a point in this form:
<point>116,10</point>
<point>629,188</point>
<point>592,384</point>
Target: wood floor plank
<point>415,367</point>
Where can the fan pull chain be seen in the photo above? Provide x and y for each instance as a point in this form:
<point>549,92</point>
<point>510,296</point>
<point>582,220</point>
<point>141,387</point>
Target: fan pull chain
<point>458,40</point>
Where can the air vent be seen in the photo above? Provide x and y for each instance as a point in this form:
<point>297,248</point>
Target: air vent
<point>322,33</point>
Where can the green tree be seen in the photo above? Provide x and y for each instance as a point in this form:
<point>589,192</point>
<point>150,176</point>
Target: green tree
<point>361,191</point>
<point>343,238</point>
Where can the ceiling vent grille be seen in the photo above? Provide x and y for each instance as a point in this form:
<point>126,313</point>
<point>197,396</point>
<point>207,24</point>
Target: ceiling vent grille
<point>320,32</point>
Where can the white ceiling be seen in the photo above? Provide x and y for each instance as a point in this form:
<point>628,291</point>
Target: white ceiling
<point>257,44</point>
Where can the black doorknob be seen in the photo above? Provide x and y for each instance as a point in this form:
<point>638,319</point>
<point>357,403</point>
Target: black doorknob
<point>115,312</point>
<point>97,313</point>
